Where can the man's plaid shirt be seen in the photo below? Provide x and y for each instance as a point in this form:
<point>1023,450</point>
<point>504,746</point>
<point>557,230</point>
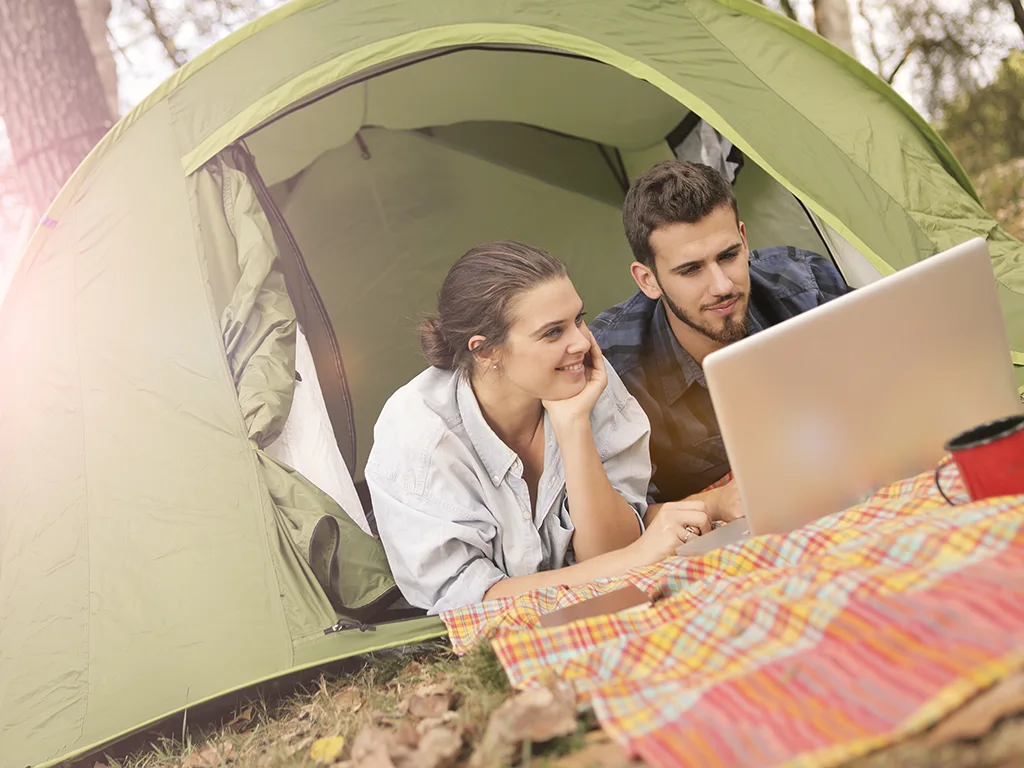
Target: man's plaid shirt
<point>686,445</point>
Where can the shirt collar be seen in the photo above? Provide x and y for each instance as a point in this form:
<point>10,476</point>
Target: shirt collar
<point>671,359</point>
<point>496,457</point>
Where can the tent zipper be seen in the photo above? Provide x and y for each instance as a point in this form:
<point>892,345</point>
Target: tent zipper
<point>346,624</point>
<point>248,162</point>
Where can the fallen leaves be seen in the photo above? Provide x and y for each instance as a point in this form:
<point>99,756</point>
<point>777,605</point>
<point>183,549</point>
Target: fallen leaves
<point>348,700</point>
<point>240,722</point>
<point>425,718</point>
<point>327,750</point>
<point>410,670</point>
<point>405,746</point>
<point>430,700</point>
<point>210,756</point>
<point>425,734</point>
<point>535,715</point>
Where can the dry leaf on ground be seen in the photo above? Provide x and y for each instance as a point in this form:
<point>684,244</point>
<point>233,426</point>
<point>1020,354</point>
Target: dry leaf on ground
<point>240,722</point>
<point>408,746</point>
<point>327,750</point>
<point>439,748</point>
<point>210,756</point>
<point>975,718</point>
<point>430,700</point>
<point>429,723</point>
<point>377,758</point>
<point>411,669</point>
<point>349,700</point>
<point>536,714</point>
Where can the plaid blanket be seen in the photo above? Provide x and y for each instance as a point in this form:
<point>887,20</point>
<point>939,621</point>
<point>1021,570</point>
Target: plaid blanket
<point>806,649</point>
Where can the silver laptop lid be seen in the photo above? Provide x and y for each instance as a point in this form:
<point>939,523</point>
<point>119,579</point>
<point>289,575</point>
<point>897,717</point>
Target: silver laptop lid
<point>821,410</point>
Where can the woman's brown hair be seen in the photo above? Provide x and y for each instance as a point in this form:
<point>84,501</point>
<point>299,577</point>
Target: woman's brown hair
<point>476,297</point>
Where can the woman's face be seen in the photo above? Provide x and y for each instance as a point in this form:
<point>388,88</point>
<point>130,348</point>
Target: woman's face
<point>546,344</point>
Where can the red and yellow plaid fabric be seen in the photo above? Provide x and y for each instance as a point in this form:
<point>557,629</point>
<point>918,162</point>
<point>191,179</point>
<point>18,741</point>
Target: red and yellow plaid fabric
<point>806,649</point>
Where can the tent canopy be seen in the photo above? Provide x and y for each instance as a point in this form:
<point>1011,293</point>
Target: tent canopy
<point>287,204</point>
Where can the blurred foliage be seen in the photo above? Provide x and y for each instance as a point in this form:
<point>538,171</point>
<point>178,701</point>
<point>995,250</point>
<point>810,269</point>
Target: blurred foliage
<point>984,126</point>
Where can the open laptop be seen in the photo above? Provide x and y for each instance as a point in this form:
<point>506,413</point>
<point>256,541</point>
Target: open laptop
<point>820,411</point>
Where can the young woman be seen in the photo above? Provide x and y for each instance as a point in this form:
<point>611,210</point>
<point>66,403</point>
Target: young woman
<point>518,460</point>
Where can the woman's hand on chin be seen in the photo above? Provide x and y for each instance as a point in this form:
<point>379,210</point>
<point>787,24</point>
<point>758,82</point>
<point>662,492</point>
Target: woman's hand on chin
<point>576,409</point>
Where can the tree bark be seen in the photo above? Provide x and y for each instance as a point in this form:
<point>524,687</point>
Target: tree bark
<point>94,14</point>
<point>832,20</point>
<point>51,97</point>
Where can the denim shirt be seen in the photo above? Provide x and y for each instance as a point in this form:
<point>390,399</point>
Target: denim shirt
<point>686,444</point>
<point>452,506</point>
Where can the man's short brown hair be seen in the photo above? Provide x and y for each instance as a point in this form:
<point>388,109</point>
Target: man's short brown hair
<point>671,192</point>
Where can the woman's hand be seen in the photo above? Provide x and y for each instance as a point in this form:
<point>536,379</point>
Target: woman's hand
<point>675,524</point>
<point>578,407</point>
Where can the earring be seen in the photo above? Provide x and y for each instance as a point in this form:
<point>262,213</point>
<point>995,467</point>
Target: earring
<point>495,366</point>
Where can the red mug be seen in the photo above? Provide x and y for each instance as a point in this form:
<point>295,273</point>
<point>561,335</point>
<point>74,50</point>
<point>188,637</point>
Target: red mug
<point>990,458</point>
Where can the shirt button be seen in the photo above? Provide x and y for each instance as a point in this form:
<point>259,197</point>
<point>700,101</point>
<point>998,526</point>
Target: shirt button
<point>526,515</point>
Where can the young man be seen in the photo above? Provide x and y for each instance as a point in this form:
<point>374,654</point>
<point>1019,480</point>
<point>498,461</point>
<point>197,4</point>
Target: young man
<point>701,288</point>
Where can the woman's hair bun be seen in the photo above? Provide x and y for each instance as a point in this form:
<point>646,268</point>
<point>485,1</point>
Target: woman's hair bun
<point>436,349</point>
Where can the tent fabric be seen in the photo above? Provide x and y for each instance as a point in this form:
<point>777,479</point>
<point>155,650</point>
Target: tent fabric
<point>307,442</point>
<point>258,327</point>
<point>764,83</point>
<point>153,554</point>
<point>409,210</point>
<point>412,203</point>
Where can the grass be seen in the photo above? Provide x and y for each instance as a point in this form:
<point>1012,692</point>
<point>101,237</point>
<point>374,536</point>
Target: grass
<point>280,731</point>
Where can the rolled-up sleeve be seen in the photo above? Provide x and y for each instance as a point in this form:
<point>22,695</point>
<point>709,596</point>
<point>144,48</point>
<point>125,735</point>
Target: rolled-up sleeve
<point>441,556</point>
<point>622,433</point>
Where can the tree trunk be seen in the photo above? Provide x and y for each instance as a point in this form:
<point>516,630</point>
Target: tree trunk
<point>832,20</point>
<point>94,14</point>
<point>787,8</point>
<point>51,98</point>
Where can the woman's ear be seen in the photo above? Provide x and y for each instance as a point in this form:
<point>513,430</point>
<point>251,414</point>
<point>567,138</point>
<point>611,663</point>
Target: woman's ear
<point>487,358</point>
<point>476,347</point>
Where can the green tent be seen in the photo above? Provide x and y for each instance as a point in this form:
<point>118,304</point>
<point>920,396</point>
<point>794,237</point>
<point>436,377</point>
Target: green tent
<point>203,329</point>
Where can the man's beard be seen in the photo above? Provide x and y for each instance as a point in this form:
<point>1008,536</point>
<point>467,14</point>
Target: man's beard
<point>733,329</point>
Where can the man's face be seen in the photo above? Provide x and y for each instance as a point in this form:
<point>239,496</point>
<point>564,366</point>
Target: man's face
<point>701,272</point>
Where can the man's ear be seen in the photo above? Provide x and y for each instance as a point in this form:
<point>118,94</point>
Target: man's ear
<point>645,280</point>
<point>743,236</point>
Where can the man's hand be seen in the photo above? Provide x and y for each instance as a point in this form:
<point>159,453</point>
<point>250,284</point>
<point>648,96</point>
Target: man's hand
<point>725,505</point>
